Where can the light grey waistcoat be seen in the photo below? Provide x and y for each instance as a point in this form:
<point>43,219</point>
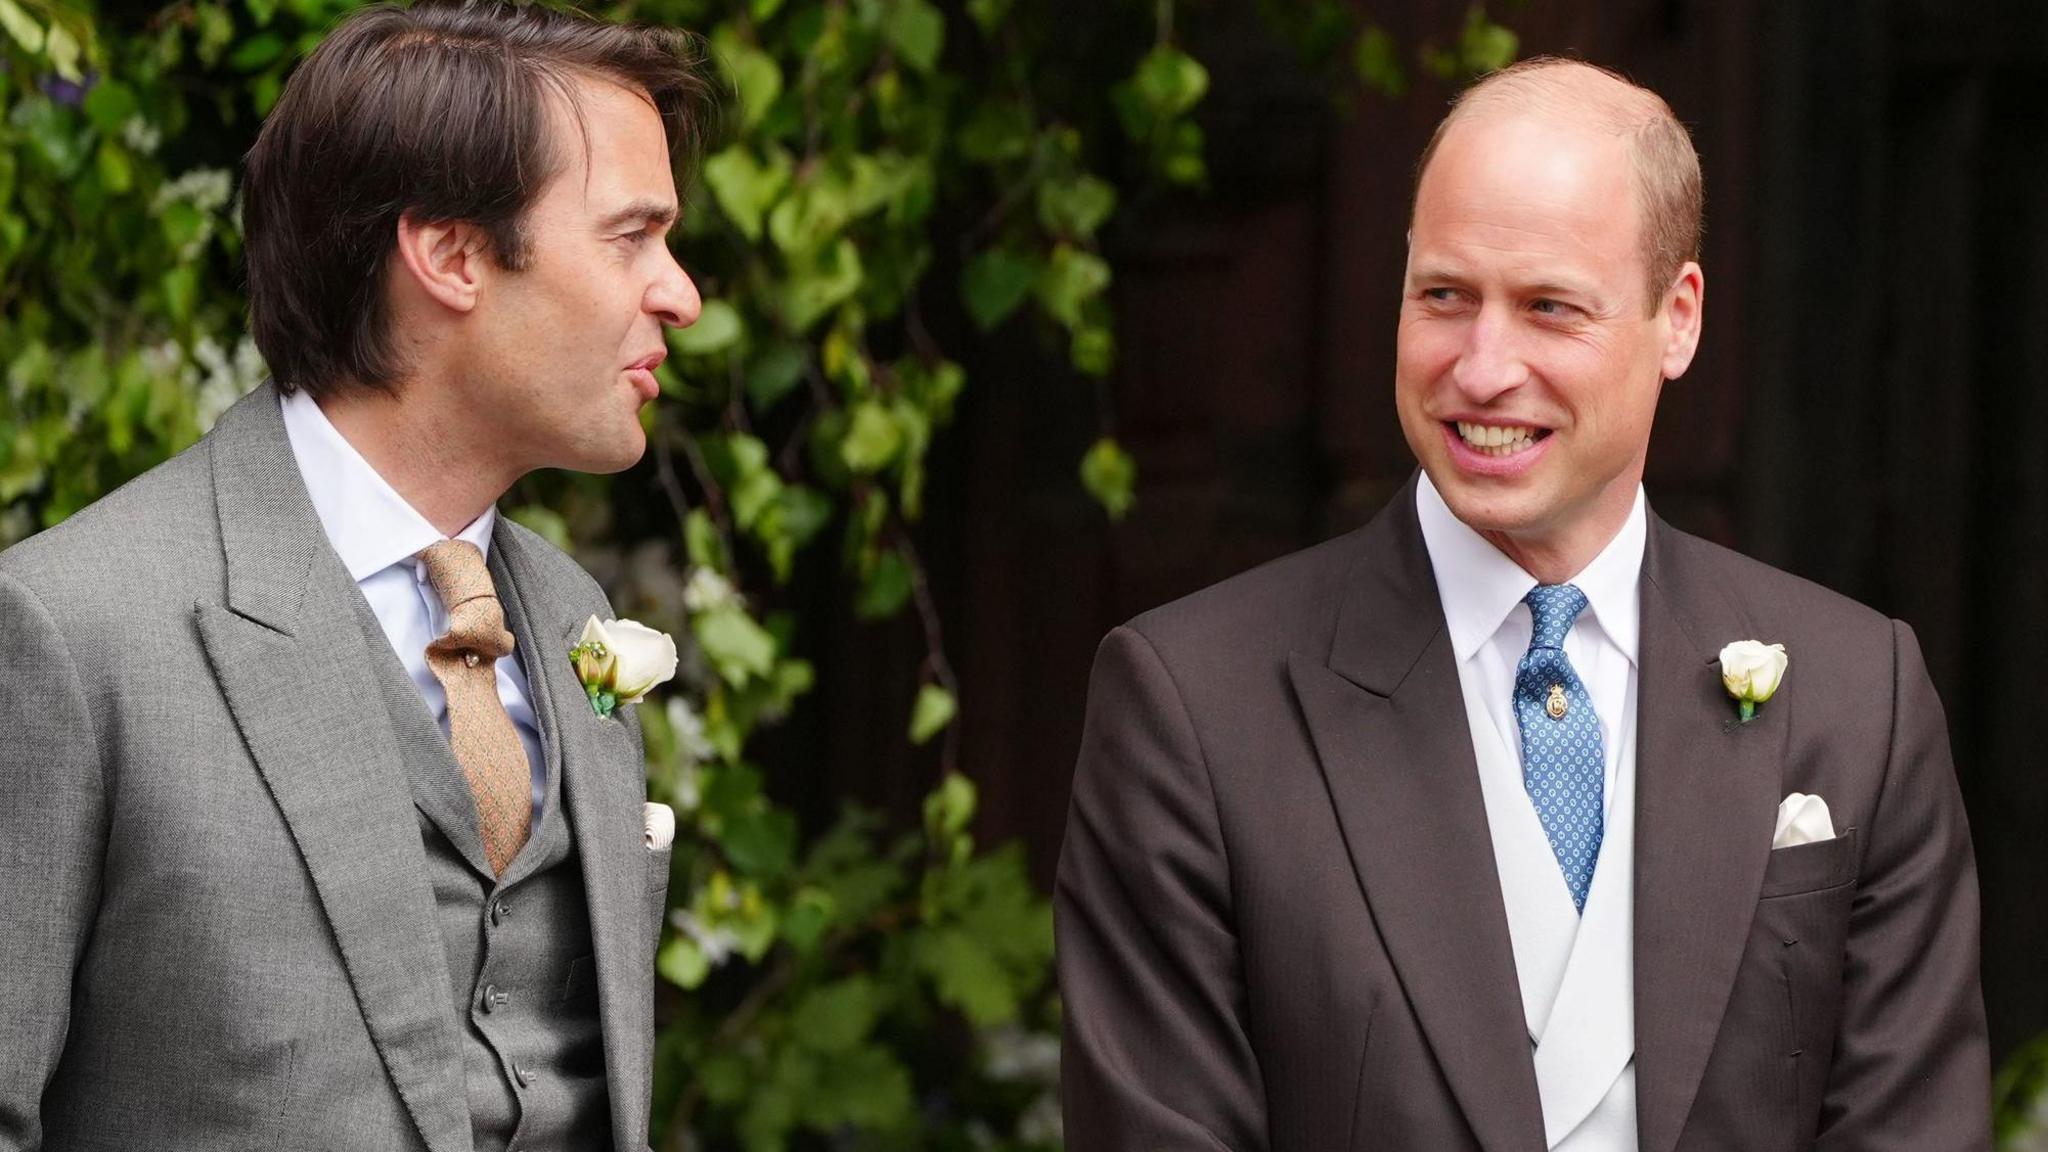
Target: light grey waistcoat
<point>521,967</point>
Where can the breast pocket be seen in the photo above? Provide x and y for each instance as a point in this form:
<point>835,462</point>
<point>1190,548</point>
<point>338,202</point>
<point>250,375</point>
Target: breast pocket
<point>1814,867</point>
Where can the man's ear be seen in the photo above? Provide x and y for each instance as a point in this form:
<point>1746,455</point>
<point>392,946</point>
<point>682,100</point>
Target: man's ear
<point>448,259</point>
<point>1685,307</point>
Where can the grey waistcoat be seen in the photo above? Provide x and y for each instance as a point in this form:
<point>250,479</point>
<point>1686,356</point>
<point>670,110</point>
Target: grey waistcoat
<point>521,969</point>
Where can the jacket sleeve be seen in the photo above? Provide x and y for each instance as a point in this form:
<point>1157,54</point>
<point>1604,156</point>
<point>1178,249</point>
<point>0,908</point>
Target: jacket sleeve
<point>1912,1065</point>
<point>1156,1053</point>
<point>52,838</point>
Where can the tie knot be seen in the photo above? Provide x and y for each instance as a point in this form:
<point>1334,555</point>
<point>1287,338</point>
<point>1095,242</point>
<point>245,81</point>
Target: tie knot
<point>1553,607</point>
<point>476,621</point>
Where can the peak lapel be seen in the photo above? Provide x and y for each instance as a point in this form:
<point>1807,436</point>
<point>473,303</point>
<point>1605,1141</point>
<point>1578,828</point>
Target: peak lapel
<point>603,786</point>
<point>292,662</point>
<point>1389,725</point>
<point>1707,790</point>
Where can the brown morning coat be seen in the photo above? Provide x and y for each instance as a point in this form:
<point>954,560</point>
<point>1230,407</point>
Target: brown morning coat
<point>1280,925</point>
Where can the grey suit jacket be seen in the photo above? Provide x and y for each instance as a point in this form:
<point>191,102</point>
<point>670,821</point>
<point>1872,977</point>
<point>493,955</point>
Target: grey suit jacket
<point>1280,925</point>
<point>215,925</point>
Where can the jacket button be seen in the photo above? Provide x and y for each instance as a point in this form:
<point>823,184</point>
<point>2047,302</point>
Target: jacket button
<point>500,911</point>
<point>495,997</point>
<point>526,1075</point>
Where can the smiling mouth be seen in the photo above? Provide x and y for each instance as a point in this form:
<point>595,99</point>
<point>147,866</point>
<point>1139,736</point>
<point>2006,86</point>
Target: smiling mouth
<point>1498,439</point>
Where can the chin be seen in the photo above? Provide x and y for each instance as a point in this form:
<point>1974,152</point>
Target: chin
<point>614,454</point>
<point>1493,507</point>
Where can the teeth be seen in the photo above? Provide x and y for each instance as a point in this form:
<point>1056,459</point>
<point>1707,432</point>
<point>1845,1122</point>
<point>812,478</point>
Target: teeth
<point>1496,439</point>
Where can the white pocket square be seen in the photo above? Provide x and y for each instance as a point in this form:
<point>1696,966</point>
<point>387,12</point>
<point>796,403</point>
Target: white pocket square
<point>661,826</point>
<point>1802,819</point>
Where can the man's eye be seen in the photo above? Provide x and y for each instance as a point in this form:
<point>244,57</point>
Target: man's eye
<point>1551,307</point>
<point>1440,295</point>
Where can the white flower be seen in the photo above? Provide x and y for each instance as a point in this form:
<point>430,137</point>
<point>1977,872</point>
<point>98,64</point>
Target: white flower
<point>1011,1054</point>
<point>622,659</point>
<point>207,189</point>
<point>140,135</point>
<point>1752,669</point>
<point>717,944</point>
<point>707,590</point>
<point>688,726</point>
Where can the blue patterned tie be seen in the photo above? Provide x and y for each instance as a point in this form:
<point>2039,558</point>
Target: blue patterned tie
<point>1562,764</point>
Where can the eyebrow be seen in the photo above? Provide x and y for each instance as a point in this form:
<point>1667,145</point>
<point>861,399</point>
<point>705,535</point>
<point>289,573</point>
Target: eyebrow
<point>1439,274</point>
<point>642,212</point>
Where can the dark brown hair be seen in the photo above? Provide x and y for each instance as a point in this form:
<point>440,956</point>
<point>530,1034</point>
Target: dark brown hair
<point>441,110</point>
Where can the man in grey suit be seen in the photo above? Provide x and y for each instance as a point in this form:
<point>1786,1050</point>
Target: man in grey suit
<point>311,837</point>
<point>1451,833</point>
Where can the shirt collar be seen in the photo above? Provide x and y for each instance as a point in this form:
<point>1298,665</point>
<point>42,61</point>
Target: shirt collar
<point>1480,586</point>
<point>370,525</point>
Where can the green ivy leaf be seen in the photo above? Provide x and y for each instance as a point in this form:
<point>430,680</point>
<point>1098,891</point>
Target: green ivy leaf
<point>109,104</point>
<point>739,648</point>
<point>1378,63</point>
<point>1486,46</point>
<point>746,188</point>
<point>821,285</point>
<point>701,541</point>
<point>834,1018</point>
<point>1071,279</point>
<point>216,32</point>
<point>116,174</point>
<point>950,807</point>
<point>682,963</point>
<point>969,978</point>
<point>934,710</point>
<point>872,438</point>
<point>257,52</point>
<point>810,914</point>
<point>775,372</point>
<point>718,328</point>
<point>997,131</point>
<point>988,14</point>
<point>760,841</point>
<point>994,284</point>
<point>1170,82</point>
<point>63,51</point>
<point>918,33</point>
<point>1075,207</point>
<point>885,589</point>
<point>549,524</point>
<point>756,80</point>
<point>1109,474</point>
<point>865,1088</point>
<point>22,27</point>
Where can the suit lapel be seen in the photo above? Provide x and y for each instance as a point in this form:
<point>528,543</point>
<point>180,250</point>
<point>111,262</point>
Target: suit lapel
<point>1707,789</point>
<point>294,668</point>
<point>1388,720</point>
<point>603,788</point>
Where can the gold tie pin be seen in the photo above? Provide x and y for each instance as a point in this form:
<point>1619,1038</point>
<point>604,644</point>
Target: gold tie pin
<point>1558,705</point>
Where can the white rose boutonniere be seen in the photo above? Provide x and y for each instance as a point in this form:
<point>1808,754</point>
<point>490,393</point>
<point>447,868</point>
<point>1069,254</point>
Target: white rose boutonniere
<point>1752,670</point>
<point>620,661</point>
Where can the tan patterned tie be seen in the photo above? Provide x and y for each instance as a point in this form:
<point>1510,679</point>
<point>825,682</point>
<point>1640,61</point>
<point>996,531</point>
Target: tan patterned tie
<point>464,660</point>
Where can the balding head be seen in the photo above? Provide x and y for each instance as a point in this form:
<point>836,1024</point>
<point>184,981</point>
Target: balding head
<point>1569,92</point>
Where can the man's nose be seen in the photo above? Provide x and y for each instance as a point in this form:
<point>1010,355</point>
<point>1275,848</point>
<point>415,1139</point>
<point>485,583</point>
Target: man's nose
<point>673,298</point>
<point>1491,361</point>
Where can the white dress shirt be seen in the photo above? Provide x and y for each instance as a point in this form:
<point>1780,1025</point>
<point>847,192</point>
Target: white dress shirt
<point>377,535</point>
<point>1581,966</point>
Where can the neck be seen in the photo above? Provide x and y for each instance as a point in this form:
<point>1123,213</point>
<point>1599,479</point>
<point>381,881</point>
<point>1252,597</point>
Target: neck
<point>417,440</point>
<point>1560,554</point>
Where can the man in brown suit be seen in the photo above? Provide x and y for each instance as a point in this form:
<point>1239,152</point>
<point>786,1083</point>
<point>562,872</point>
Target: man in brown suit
<point>1447,835</point>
